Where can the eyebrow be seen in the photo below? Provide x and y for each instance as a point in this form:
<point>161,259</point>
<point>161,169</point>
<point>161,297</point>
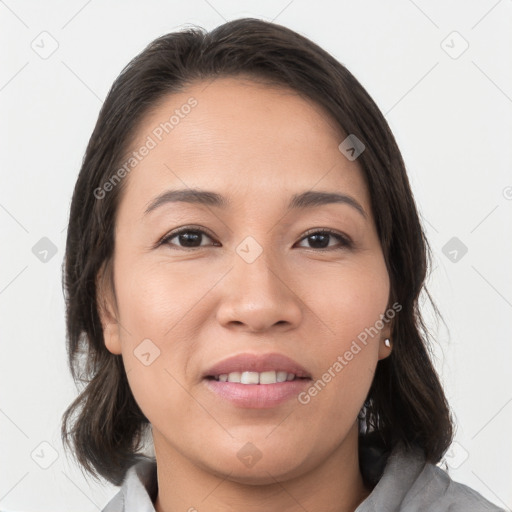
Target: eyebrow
<point>303,200</point>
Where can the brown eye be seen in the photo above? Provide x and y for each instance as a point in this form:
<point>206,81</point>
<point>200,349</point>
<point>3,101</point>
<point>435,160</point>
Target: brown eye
<point>321,239</point>
<point>186,238</point>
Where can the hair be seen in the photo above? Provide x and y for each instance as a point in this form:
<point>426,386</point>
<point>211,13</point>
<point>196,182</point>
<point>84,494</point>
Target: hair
<point>104,425</point>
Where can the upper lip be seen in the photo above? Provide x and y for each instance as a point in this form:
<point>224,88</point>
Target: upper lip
<point>257,363</point>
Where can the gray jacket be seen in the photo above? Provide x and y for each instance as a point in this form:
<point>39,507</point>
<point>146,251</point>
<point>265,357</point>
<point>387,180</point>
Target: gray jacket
<point>407,484</point>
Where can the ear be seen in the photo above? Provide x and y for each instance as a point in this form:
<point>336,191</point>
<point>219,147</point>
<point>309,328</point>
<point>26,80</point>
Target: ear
<point>385,334</point>
<point>107,309</point>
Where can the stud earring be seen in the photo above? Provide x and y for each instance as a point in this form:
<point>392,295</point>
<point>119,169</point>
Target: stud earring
<point>387,342</point>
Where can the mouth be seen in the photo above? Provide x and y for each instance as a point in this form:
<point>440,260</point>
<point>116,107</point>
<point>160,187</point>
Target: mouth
<point>263,378</point>
<point>254,368</point>
<point>257,381</point>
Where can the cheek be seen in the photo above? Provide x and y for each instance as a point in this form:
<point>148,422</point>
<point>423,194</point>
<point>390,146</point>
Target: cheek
<point>349,302</point>
<point>347,298</point>
<point>155,299</point>
<point>159,306</point>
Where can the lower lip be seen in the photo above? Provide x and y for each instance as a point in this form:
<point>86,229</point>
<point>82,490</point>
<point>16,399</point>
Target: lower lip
<point>258,396</point>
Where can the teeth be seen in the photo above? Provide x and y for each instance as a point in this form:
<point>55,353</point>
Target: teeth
<point>281,376</point>
<point>249,378</point>
<point>268,377</point>
<point>234,377</point>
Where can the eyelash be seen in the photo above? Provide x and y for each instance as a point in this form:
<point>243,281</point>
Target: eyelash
<point>345,241</point>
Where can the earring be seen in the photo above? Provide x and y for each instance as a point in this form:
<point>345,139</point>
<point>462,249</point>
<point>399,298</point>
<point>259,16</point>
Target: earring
<point>387,342</point>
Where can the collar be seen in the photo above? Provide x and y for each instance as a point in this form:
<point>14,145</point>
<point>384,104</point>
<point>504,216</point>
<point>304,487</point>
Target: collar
<point>405,480</point>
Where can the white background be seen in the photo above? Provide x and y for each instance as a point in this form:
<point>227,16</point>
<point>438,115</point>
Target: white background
<point>452,119</point>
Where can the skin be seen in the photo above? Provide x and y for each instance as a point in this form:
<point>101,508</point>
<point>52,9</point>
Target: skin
<point>256,145</point>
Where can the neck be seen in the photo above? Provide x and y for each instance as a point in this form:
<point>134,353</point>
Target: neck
<point>335,485</point>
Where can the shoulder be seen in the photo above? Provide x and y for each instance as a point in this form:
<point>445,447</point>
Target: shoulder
<point>138,490</point>
<point>410,484</point>
<point>435,490</point>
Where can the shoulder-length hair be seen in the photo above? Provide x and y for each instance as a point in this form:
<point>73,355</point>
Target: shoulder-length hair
<point>104,426</point>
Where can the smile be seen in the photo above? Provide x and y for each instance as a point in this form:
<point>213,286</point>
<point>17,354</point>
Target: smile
<point>247,377</point>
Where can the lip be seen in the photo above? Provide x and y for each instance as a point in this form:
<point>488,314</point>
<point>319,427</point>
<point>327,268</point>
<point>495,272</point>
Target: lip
<point>257,396</point>
<point>257,363</point>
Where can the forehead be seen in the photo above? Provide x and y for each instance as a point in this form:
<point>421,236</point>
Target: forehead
<point>240,137</point>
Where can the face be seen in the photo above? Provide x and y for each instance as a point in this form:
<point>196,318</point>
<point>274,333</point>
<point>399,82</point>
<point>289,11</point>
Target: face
<point>245,283</point>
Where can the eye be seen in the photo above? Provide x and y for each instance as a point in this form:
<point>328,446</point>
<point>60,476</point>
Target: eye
<point>187,237</point>
<point>320,239</point>
<point>192,238</point>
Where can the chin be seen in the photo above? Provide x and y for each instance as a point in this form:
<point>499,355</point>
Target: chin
<point>250,465</point>
<point>262,473</point>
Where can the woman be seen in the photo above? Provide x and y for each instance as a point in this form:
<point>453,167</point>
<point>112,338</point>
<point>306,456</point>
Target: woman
<point>243,265</point>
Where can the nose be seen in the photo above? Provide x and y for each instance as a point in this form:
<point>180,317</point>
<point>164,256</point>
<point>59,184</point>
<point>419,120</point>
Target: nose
<point>257,296</point>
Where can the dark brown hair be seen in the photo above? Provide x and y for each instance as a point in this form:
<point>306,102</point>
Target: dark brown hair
<point>104,425</point>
